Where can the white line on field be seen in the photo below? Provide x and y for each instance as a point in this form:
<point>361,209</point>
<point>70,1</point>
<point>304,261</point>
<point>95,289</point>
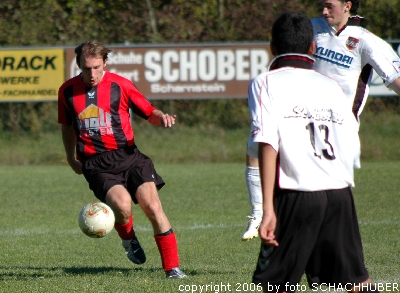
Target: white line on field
<point>24,232</point>
<point>194,226</point>
<point>378,223</point>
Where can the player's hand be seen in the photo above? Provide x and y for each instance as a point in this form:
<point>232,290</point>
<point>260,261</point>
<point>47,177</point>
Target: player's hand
<point>168,120</point>
<point>158,118</point>
<point>267,229</point>
<point>75,165</point>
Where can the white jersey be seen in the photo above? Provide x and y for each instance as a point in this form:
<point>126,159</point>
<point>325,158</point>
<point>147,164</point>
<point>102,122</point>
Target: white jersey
<point>303,115</point>
<point>347,56</point>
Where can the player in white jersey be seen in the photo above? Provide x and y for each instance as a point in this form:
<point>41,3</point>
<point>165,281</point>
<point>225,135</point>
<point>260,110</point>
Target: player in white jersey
<point>346,52</point>
<point>308,122</point>
<point>308,147</point>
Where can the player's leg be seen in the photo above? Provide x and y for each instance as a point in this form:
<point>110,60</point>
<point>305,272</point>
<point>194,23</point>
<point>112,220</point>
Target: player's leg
<point>338,257</point>
<point>253,183</point>
<point>281,268</point>
<point>143,183</point>
<point>149,201</point>
<point>107,186</point>
<point>119,199</point>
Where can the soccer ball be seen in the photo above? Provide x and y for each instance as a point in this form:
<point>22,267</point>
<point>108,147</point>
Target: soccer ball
<point>96,219</point>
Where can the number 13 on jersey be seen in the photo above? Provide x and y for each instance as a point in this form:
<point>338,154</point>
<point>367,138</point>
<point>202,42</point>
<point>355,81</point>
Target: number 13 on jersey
<point>319,138</point>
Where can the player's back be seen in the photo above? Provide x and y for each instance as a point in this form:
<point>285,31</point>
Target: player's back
<point>304,116</point>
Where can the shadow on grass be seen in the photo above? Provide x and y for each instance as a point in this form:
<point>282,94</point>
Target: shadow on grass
<point>28,273</point>
<point>102,270</point>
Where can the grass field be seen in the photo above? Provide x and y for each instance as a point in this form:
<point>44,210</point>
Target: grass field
<point>43,250</point>
<point>379,134</point>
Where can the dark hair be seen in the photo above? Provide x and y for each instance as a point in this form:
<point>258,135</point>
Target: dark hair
<point>91,49</point>
<point>292,33</point>
<point>354,5</point>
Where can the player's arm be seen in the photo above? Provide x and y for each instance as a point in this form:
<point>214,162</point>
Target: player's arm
<point>385,61</point>
<point>141,107</point>
<point>69,141</point>
<point>395,86</point>
<point>267,161</point>
<point>160,119</point>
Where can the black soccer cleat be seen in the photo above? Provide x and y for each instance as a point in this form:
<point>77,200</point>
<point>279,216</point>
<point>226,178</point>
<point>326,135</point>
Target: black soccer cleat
<point>134,251</point>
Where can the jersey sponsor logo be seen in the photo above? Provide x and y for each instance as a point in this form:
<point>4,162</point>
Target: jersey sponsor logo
<point>322,114</point>
<point>91,95</point>
<point>333,57</point>
<point>94,121</point>
<point>352,43</point>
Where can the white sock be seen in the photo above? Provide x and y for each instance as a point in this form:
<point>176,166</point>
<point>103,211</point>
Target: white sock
<point>253,183</point>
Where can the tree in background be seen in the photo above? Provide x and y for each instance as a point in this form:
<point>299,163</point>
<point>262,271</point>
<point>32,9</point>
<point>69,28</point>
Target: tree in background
<point>69,22</point>
<point>382,16</point>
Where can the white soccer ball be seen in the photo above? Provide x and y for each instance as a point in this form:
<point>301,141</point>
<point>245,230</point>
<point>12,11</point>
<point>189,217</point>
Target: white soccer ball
<point>96,219</point>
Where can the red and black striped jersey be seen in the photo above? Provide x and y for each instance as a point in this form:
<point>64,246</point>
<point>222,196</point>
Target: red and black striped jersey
<point>100,114</point>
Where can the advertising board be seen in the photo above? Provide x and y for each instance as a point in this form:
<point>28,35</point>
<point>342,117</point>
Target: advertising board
<point>167,71</point>
<point>172,71</point>
<point>31,75</point>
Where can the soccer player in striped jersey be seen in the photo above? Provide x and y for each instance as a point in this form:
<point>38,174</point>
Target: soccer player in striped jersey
<point>93,110</point>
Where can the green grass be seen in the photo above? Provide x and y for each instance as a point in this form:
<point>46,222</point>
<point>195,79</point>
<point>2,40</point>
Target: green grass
<point>43,250</point>
<point>379,133</point>
<point>176,145</point>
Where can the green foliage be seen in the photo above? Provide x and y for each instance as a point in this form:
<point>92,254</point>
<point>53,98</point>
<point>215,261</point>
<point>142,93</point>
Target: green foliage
<point>30,22</point>
<point>382,17</point>
<point>69,22</point>
<point>34,118</point>
<point>225,113</point>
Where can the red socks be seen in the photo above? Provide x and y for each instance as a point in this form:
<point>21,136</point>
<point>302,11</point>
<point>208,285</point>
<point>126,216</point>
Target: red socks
<point>166,243</point>
<point>125,231</point>
<point>168,247</point>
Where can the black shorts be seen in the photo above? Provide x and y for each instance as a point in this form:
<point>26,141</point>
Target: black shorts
<point>127,167</point>
<point>318,234</point>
